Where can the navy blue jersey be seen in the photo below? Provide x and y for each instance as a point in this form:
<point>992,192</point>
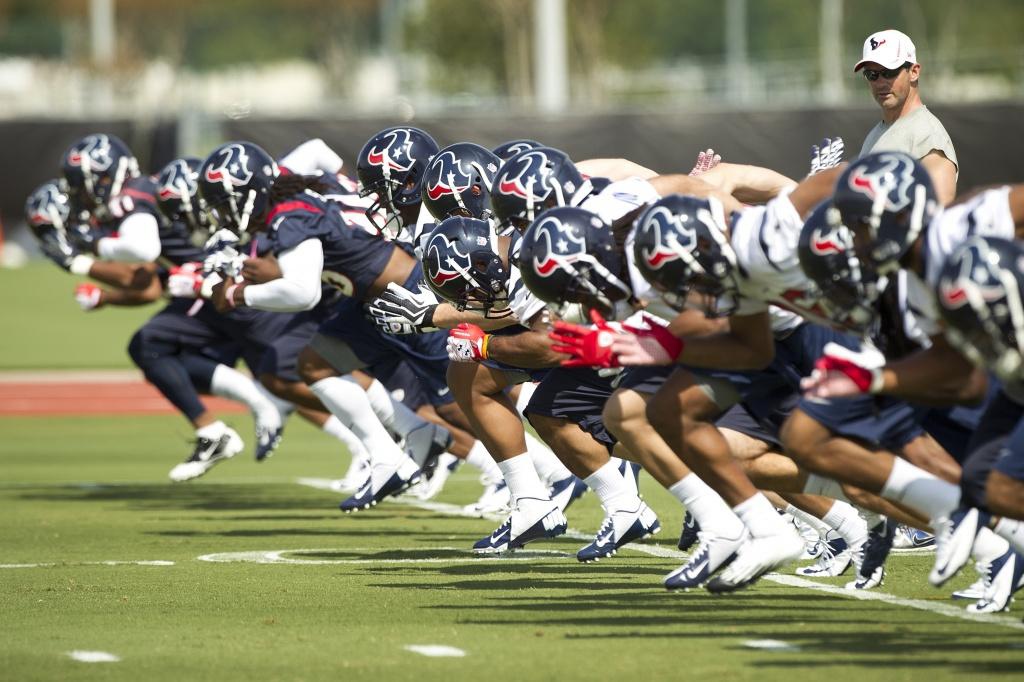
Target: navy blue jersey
<point>353,258</point>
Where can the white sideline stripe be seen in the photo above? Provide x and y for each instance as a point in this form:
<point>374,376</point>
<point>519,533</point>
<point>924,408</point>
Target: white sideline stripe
<point>93,656</point>
<point>90,563</point>
<point>279,557</point>
<point>790,581</point>
<point>434,650</point>
<point>770,645</point>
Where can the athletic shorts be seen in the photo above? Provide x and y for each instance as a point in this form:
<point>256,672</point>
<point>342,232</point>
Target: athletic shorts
<point>576,394</point>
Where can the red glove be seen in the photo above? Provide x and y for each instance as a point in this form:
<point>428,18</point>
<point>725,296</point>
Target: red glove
<point>842,372</point>
<point>185,281</point>
<point>654,345</point>
<point>586,346</point>
<point>468,343</point>
<point>88,296</point>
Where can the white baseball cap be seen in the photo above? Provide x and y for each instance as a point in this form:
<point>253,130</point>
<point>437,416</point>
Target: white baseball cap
<point>889,48</point>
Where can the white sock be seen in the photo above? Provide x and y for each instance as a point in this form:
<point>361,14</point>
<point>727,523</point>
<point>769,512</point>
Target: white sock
<point>808,518</point>
<point>227,382</point>
<point>848,522</point>
<point>348,402</point>
<point>611,488</point>
<point>988,546</point>
<point>760,517</point>
<point>283,407</point>
<point>825,487</point>
<point>713,515</point>
<point>626,469</point>
<point>393,414</point>
<point>526,391</point>
<point>482,460</point>
<point>212,431</point>
<point>1013,531</point>
<point>334,427</point>
<point>871,518</point>
<point>522,478</point>
<point>921,491</point>
<point>547,464</point>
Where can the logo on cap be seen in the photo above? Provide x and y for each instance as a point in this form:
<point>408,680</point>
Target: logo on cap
<point>875,44</point>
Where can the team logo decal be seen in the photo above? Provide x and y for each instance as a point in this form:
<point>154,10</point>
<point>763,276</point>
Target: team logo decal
<point>438,259</point>
<point>450,176</point>
<point>827,242</point>
<point>893,175</point>
<point>524,175</point>
<point>973,261</point>
<point>97,149</point>
<point>394,151</point>
<point>663,226</point>
<point>231,166</point>
<point>556,245</point>
<point>44,202</point>
<point>176,178</point>
<point>875,44</point>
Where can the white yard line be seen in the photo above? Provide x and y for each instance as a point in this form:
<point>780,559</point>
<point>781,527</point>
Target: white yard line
<point>790,581</point>
<point>90,563</point>
<point>93,656</point>
<point>435,650</point>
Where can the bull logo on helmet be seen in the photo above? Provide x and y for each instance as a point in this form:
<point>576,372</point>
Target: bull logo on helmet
<point>827,242</point>
<point>95,148</point>
<point>176,182</point>
<point>888,174</point>
<point>524,176</point>
<point>438,258</point>
<point>665,226</point>
<point>446,176</point>
<point>44,203</point>
<point>231,166</point>
<point>974,267</point>
<point>556,245</point>
<point>394,150</point>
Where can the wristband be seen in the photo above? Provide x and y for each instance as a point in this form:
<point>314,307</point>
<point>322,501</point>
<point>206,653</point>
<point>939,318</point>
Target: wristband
<point>484,345</point>
<point>81,264</point>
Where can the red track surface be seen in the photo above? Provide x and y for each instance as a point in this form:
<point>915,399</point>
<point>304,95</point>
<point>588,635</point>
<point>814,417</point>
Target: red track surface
<point>50,396</point>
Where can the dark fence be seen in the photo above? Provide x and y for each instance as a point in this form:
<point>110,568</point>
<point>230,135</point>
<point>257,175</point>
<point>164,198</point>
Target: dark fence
<point>987,137</point>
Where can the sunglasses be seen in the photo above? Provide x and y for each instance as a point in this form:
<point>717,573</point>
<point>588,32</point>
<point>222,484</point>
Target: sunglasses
<point>887,74</point>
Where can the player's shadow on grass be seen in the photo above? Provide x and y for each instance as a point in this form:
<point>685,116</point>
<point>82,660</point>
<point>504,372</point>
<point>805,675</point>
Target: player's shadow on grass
<point>166,496</point>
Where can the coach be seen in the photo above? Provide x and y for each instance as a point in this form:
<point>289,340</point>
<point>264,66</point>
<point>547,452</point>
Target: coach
<point>889,64</point>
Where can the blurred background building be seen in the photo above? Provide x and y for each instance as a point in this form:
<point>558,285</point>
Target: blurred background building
<point>654,80</point>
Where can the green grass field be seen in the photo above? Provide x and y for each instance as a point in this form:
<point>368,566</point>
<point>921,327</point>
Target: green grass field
<point>357,590</point>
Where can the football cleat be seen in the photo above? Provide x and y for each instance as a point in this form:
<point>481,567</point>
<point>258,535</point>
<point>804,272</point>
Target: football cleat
<point>833,560</point>
<point>974,591</point>
<point>429,488</point>
<point>870,557</point>
<point>909,539</point>
<point>954,539</point>
<point>207,454</point>
<point>495,499</point>
<point>267,440</point>
<point>531,519</point>
<point>691,529</point>
<point>757,557</point>
<point>619,528</point>
<point>566,491</point>
<point>1005,575</point>
<point>713,553</point>
<point>384,481</point>
<point>357,474</point>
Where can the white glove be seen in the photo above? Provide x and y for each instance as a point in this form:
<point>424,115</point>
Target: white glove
<point>228,262</point>
<point>87,295</point>
<point>400,311</point>
<point>828,155</point>
<point>706,160</point>
<point>184,281</point>
<point>841,372</point>
<point>221,238</point>
<point>209,282</point>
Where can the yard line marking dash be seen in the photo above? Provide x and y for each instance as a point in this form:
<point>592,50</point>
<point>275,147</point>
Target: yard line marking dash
<point>435,650</point>
<point>790,581</point>
<point>93,656</point>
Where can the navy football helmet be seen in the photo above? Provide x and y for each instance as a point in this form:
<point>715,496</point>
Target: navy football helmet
<point>979,292</point>
<point>825,250</point>
<point>235,182</point>
<point>458,181</point>
<point>530,182</point>
<point>392,165</point>
<point>506,150</point>
<point>887,200</point>
<point>569,256</point>
<point>96,169</point>
<point>177,195</point>
<point>462,266</point>
<point>680,247</point>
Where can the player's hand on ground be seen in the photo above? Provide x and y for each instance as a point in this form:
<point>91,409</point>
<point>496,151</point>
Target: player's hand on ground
<point>88,296</point>
<point>842,373</point>
<point>649,344</point>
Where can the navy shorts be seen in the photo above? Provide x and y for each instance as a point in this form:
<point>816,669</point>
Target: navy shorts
<point>281,358</point>
<point>991,440</point>
<point>517,375</point>
<point>646,380</point>
<point>877,420</point>
<point>762,426</point>
<point>426,353</point>
<point>1010,461</point>
<point>576,394</point>
<point>399,379</point>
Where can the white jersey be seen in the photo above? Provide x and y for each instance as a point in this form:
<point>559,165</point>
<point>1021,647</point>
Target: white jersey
<point>612,203</point>
<point>765,239</point>
<point>986,215</point>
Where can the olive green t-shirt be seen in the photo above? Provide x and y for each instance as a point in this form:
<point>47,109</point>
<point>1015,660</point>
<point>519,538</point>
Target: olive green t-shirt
<point>917,134</point>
